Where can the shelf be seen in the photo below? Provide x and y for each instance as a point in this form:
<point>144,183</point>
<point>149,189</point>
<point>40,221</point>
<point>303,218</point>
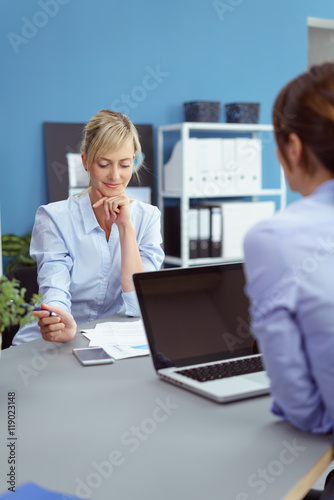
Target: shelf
<point>219,127</point>
<point>185,192</point>
<point>263,192</point>
<point>198,262</point>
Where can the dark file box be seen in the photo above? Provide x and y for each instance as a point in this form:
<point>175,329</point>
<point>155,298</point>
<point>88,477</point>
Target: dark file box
<point>206,242</point>
<point>212,247</point>
<point>172,234</point>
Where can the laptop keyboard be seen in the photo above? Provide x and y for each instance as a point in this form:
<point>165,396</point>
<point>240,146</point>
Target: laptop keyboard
<point>223,370</point>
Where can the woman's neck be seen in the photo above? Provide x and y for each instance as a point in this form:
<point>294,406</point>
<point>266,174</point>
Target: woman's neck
<point>312,182</point>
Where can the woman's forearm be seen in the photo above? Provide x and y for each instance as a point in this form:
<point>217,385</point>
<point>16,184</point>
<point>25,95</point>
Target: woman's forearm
<point>130,257</point>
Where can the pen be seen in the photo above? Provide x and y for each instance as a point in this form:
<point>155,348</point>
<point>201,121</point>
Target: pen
<point>51,313</point>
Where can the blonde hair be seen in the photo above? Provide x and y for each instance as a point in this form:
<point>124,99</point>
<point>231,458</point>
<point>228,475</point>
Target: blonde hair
<point>108,131</point>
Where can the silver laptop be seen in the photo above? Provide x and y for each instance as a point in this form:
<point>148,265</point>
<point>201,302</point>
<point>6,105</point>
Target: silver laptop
<point>197,325</point>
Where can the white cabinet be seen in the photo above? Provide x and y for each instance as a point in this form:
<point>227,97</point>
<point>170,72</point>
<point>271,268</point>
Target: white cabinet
<point>225,166</point>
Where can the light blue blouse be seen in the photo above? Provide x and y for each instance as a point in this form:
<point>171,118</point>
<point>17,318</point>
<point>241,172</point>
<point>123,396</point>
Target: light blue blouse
<point>78,269</point>
<point>289,267</point>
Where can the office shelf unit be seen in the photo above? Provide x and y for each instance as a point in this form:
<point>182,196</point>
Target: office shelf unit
<point>182,194</point>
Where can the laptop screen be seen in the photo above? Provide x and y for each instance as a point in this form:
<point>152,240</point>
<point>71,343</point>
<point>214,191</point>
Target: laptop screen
<point>195,315</point>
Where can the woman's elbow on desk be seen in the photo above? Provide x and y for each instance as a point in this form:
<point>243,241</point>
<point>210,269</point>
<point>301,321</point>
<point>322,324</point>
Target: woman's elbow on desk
<point>315,420</point>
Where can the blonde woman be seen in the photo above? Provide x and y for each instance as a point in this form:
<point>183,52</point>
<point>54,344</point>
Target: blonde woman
<point>88,247</point>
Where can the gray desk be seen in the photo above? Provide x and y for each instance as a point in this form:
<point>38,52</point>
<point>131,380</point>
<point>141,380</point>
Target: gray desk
<point>117,431</point>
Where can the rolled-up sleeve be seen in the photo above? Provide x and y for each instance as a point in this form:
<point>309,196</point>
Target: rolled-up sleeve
<point>131,303</point>
<point>150,240</point>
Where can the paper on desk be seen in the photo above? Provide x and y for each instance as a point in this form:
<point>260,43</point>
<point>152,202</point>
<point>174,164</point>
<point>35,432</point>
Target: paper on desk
<point>120,339</point>
<point>123,351</point>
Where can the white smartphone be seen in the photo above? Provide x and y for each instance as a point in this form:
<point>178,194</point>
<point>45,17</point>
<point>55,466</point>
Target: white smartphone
<point>93,356</point>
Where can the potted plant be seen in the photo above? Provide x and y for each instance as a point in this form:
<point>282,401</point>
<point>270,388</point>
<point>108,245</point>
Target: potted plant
<point>13,308</point>
<point>18,248</point>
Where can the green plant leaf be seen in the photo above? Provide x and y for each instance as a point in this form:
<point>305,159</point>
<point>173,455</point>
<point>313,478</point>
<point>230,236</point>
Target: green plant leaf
<point>13,308</point>
<point>18,248</point>
<point>13,245</point>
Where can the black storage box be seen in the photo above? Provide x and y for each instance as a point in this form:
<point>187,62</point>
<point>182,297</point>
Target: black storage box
<point>202,111</point>
<point>242,112</point>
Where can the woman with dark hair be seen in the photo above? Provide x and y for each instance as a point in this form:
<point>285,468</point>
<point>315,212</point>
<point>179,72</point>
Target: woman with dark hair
<point>289,259</point>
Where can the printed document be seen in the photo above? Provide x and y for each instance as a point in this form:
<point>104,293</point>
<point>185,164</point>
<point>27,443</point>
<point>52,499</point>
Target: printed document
<point>120,339</point>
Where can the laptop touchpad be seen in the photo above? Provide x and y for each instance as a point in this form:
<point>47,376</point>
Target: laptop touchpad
<point>260,377</point>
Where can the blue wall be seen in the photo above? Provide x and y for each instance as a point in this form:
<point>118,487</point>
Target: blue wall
<point>63,60</point>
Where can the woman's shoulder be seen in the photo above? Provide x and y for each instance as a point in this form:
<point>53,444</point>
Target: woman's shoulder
<point>293,217</point>
<point>286,227</point>
<point>61,207</point>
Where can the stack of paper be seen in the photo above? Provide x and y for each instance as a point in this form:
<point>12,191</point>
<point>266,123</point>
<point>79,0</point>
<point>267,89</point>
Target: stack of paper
<point>120,339</point>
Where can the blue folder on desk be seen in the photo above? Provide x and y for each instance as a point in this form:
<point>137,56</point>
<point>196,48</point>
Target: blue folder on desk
<point>197,325</point>
<point>31,491</point>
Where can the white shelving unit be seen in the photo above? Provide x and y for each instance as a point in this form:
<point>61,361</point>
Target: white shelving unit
<point>184,129</point>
